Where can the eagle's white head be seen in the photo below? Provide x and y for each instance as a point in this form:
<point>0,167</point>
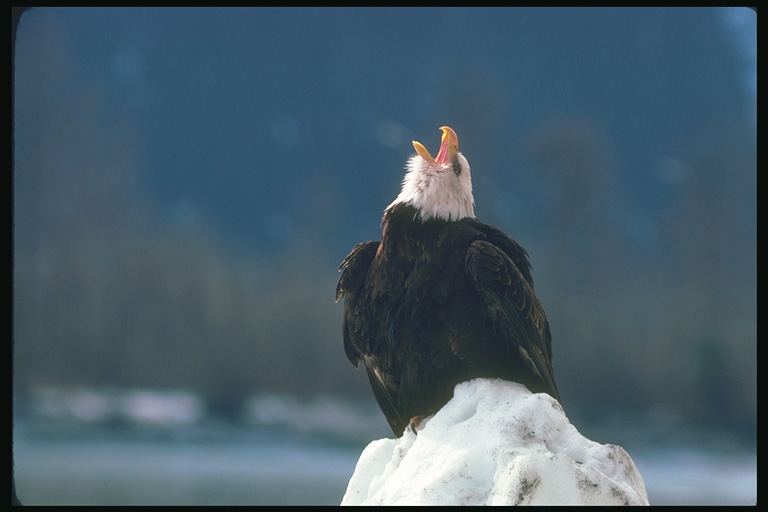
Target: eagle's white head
<point>441,187</point>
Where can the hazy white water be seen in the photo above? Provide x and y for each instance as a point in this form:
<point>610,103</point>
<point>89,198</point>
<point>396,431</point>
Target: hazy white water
<point>256,472</point>
<point>170,472</point>
<point>688,477</point>
<point>133,448</point>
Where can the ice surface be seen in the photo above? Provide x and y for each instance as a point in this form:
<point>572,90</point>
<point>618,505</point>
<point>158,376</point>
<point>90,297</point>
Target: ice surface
<point>495,443</point>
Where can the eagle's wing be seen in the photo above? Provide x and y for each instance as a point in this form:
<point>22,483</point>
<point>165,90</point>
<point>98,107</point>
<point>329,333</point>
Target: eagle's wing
<point>512,304</point>
<point>354,269</point>
<point>360,343</point>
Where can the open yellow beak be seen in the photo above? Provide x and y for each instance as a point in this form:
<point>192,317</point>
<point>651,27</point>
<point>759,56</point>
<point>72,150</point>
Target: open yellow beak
<point>449,146</point>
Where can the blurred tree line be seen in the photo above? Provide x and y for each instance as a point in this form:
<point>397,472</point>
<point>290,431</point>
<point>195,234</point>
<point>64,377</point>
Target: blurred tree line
<point>652,308</point>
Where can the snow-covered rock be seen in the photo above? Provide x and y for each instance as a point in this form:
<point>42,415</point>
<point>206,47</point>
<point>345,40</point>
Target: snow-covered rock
<point>495,443</point>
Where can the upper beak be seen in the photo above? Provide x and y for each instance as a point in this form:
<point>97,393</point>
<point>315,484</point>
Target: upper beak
<point>449,146</point>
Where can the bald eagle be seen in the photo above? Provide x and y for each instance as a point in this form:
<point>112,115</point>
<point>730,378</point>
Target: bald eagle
<point>442,298</point>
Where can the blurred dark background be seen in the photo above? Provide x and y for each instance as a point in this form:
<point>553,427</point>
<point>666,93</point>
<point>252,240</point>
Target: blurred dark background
<point>186,182</point>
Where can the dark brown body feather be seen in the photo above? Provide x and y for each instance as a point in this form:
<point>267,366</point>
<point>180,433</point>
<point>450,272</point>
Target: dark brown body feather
<point>436,303</point>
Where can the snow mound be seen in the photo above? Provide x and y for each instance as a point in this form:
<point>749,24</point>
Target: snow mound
<point>495,443</point>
